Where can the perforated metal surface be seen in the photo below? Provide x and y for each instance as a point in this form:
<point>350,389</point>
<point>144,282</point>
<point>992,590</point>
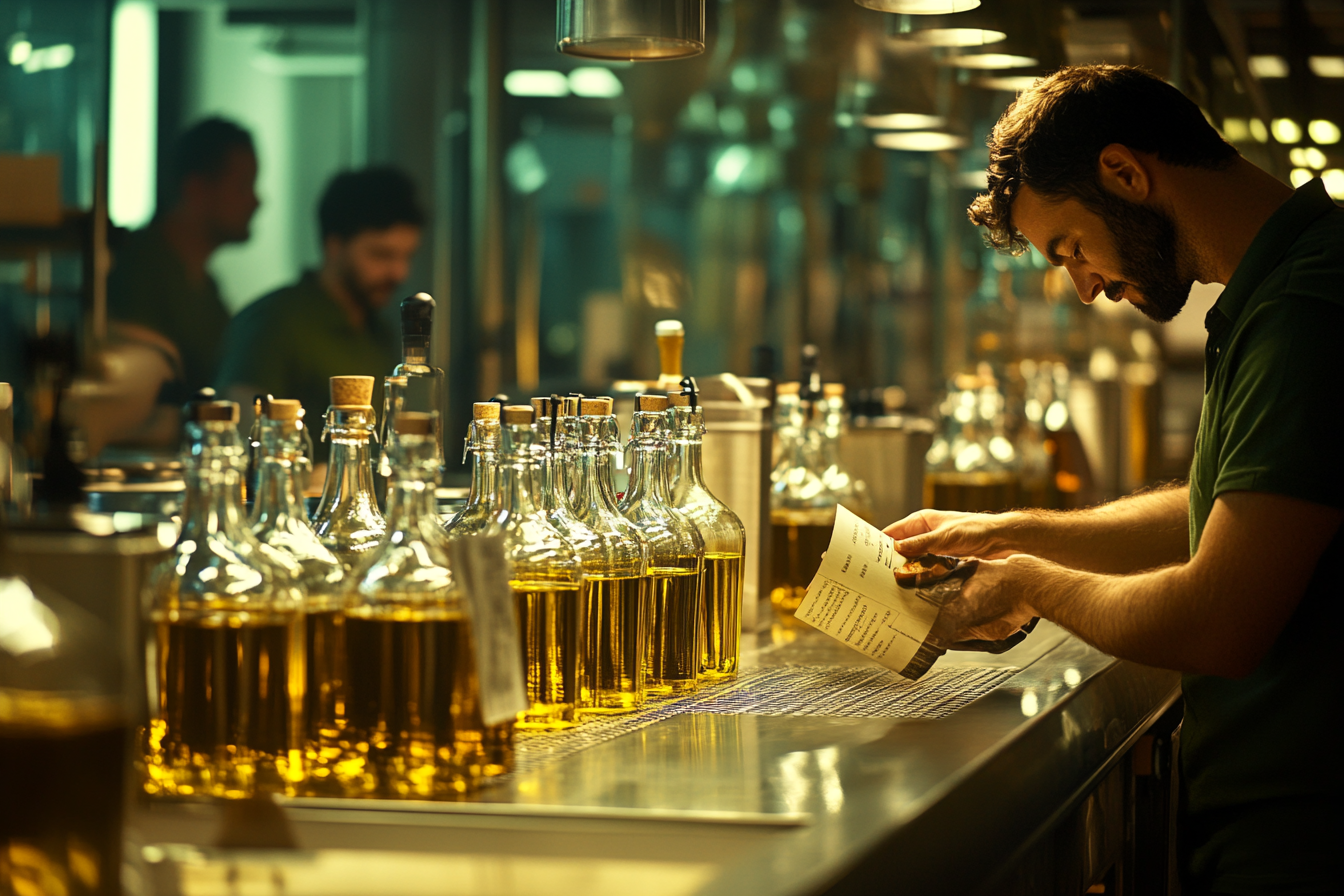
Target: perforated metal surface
<point>803,690</point>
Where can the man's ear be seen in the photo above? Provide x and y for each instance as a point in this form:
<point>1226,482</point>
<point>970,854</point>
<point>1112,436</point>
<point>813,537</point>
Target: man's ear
<point>332,246</point>
<point>1124,173</point>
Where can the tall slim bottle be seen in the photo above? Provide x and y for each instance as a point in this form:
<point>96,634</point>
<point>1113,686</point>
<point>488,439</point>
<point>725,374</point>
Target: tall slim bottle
<point>618,594</point>
<point>415,385</point>
<point>226,644</point>
<point>546,577</point>
<point>348,520</point>
<point>723,534</point>
<point>676,556</point>
<point>414,694</point>
<point>279,520</point>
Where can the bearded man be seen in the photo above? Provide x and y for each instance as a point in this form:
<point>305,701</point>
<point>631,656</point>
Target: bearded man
<point>290,342</point>
<point>1235,579</point>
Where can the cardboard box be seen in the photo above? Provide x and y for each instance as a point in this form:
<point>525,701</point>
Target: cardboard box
<point>30,190</point>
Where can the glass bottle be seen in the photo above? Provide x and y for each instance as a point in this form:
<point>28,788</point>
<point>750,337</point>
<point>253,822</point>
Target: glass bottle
<point>972,466</point>
<point>833,421</point>
<point>347,519</point>
<point>724,537</point>
<point>279,520</point>
<point>618,595</point>
<point>482,443</point>
<point>415,385</point>
<point>63,737</point>
<point>546,577</point>
<point>556,444</point>
<point>226,646</point>
<point>413,693</point>
<point>676,556</point>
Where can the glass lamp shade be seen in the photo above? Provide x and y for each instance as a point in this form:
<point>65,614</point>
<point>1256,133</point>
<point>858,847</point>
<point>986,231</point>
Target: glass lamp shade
<point>920,7</point>
<point>631,30</point>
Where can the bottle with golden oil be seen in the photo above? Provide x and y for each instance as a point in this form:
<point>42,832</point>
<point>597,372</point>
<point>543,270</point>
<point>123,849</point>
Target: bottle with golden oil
<point>546,576</point>
<point>226,643</point>
<point>413,697</point>
<point>63,738</point>
<point>347,519</point>
<point>804,492</point>
<point>676,556</point>
<point>972,465</point>
<point>722,532</point>
<point>482,443</point>
<point>556,440</point>
<point>618,595</point>
<point>279,520</point>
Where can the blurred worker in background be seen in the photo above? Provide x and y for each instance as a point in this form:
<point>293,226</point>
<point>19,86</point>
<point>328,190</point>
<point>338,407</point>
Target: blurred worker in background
<point>290,342</point>
<point>159,293</point>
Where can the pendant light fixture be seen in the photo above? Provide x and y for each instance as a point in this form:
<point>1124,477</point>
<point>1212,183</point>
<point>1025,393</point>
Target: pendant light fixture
<point>977,28</point>
<point>631,30</point>
<point>920,7</point>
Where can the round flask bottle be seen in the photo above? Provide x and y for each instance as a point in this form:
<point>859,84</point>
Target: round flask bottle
<point>347,519</point>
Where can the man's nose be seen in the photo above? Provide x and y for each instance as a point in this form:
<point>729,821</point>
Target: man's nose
<point>1088,284</point>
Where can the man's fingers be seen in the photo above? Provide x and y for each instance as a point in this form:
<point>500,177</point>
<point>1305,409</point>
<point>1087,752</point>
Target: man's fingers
<point>914,524</point>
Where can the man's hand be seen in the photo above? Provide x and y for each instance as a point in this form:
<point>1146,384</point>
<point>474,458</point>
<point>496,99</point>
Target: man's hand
<point>956,534</point>
<point>994,602</point>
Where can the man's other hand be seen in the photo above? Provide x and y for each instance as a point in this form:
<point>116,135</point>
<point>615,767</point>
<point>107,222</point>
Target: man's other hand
<point>954,533</point>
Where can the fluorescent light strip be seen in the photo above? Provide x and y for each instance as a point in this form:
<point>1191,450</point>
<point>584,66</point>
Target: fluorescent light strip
<point>133,113</point>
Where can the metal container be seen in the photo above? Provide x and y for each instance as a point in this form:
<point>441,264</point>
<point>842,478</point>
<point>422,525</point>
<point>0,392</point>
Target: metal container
<point>887,453</point>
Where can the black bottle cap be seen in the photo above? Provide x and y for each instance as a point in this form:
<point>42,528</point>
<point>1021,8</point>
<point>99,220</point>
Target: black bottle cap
<point>417,315</point>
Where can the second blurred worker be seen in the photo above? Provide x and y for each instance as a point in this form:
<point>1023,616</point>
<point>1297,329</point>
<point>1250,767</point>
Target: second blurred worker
<point>292,341</point>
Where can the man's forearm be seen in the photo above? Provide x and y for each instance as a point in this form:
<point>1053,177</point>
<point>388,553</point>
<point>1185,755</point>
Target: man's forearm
<point>1143,531</point>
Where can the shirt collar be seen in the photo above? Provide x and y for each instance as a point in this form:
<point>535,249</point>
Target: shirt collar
<point>1275,238</point>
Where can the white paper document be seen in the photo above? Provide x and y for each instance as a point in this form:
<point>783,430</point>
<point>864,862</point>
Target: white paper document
<point>854,597</point>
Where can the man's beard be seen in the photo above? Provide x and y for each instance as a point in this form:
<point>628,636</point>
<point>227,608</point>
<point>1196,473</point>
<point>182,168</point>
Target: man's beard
<point>369,296</point>
<point>1146,241</point>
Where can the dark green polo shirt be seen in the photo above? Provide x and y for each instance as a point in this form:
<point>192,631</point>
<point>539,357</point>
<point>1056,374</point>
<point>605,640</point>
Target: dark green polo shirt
<point>148,285</point>
<point>1261,755</point>
<point>291,342</point>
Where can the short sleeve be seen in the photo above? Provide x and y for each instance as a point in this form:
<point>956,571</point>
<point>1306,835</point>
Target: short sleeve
<point>254,352</point>
<point>1283,415</point>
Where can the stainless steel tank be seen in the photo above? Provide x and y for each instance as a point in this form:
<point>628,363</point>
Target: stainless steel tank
<point>887,453</point>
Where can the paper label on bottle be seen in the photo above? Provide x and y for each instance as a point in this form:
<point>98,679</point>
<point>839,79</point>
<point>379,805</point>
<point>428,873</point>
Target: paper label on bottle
<point>854,597</point>
<point>482,571</point>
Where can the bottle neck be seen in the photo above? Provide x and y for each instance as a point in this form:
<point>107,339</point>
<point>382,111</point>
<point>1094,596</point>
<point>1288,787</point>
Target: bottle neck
<point>278,497</point>
<point>349,472</point>
<point>517,497</point>
<point>213,502</point>
<point>685,471</point>
<point>484,476</point>
<point>592,484</point>
<point>648,472</point>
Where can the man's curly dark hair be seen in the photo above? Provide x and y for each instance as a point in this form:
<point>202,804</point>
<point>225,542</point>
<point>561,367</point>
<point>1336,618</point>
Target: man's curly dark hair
<point>1051,137</point>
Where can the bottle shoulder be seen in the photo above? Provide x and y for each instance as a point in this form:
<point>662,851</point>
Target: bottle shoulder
<point>211,572</point>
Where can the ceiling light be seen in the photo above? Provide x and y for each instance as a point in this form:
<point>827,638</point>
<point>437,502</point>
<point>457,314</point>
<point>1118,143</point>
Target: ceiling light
<point>533,82</point>
<point>1323,132</point>
<point>1235,130</point>
<point>954,37</point>
<point>602,29</point>
<point>1334,182</point>
<point>1010,83</point>
<point>1315,158</point>
<point>1269,66</point>
<point>1327,66</point>
<point>920,7</point>
<point>1259,132</point>
<point>1286,130</point>
<point>594,81</point>
<point>903,121</point>
<point>990,61</point>
<point>918,141</point>
<point>1298,176</point>
<point>1298,156</point>
<point>19,51</point>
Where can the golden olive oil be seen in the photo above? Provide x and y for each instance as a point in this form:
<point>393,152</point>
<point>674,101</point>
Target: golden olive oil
<point>721,637</point>
<point>550,622</point>
<point>797,543</point>
<point>675,641</point>
<point>617,611</point>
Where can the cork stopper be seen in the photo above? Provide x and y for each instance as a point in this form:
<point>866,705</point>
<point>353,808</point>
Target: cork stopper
<point>283,409</point>
<point>352,391</point>
<point>413,423</point>
<point>650,402</point>
<point>833,390</point>
<point>6,396</point>
<point>595,407</point>
<point>677,400</point>
<point>515,414</point>
<point>541,407</point>
<point>202,411</point>
<point>787,388</point>
<point>485,410</point>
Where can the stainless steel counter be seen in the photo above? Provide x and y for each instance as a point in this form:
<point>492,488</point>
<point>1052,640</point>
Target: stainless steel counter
<point>713,803</point>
